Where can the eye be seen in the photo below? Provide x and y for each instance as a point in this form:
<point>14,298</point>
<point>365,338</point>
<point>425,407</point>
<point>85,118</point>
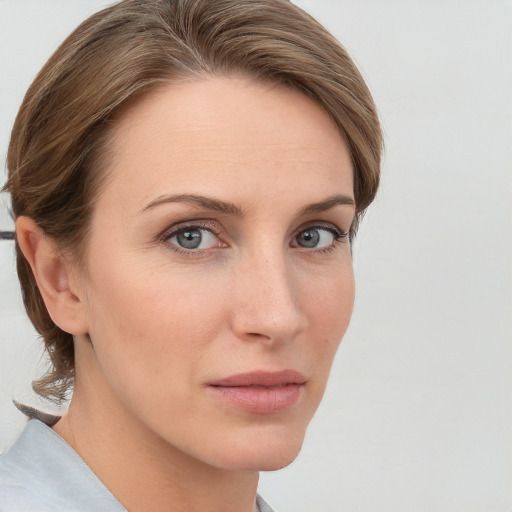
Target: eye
<point>318,237</point>
<point>193,237</point>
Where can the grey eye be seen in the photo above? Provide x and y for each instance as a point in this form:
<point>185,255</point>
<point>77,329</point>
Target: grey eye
<point>308,238</point>
<point>194,238</point>
<point>190,239</point>
<point>316,237</point>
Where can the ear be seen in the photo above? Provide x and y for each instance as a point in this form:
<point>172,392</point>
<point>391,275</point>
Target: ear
<point>52,275</point>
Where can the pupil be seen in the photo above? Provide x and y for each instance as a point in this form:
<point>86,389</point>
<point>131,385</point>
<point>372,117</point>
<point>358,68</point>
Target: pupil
<point>189,239</point>
<point>309,238</point>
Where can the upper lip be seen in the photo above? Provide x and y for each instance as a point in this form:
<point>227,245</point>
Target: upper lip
<point>261,378</point>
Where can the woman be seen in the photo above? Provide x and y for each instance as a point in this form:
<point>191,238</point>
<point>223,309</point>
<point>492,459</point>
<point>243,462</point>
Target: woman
<point>186,177</point>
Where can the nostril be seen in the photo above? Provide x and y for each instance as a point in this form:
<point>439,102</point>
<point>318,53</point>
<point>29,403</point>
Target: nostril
<point>258,335</point>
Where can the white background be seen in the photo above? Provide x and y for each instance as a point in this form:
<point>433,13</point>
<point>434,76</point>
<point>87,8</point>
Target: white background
<point>418,413</point>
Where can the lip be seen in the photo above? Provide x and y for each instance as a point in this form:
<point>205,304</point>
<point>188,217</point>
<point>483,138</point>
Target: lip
<point>261,392</point>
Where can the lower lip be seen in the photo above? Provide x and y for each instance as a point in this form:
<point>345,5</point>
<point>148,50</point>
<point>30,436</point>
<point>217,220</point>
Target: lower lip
<point>260,400</point>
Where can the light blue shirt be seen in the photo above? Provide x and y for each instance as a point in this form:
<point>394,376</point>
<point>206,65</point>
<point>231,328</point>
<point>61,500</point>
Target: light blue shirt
<point>40,472</point>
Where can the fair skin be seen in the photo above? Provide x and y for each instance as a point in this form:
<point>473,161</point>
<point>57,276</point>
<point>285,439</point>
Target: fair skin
<point>259,279</point>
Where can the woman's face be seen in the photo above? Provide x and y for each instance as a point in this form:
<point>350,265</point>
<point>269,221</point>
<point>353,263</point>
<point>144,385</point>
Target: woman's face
<point>219,279</point>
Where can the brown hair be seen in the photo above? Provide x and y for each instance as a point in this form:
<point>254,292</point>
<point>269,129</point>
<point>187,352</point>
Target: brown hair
<point>56,158</point>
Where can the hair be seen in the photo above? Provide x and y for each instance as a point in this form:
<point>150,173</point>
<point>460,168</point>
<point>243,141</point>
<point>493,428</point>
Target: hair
<point>58,153</point>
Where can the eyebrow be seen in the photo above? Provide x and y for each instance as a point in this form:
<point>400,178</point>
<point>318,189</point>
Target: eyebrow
<point>228,208</point>
<point>330,202</point>
<point>208,203</point>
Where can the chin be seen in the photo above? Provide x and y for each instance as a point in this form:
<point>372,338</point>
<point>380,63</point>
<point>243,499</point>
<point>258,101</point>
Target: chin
<point>261,450</point>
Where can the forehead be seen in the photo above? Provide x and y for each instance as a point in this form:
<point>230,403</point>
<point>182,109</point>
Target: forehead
<point>232,134</point>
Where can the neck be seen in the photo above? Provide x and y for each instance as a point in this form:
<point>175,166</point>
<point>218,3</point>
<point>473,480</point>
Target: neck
<point>139,468</point>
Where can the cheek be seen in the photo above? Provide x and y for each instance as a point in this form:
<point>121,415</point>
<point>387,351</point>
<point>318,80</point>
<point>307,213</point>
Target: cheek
<point>329,311</point>
<point>154,323</point>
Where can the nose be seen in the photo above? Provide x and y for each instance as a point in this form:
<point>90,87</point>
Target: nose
<point>267,304</point>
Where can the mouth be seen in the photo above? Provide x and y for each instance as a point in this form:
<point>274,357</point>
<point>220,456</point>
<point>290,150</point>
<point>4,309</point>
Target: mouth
<point>261,392</point>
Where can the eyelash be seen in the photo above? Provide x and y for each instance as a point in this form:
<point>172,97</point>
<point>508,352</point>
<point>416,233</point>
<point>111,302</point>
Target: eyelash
<point>176,230</point>
<point>338,235</point>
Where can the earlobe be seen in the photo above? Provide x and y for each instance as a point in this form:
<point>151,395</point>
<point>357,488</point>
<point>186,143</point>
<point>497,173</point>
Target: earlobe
<point>52,274</point>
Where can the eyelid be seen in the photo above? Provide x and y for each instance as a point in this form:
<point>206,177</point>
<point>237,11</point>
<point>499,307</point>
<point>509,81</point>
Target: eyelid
<point>329,226</point>
<point>189,224</point>
<point>339,235</point>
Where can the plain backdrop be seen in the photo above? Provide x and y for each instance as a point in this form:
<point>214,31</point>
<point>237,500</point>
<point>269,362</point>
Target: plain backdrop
<point>418,413</point>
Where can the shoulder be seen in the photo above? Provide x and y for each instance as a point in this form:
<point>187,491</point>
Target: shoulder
<point>23,484</point>
<point>41,472</point>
